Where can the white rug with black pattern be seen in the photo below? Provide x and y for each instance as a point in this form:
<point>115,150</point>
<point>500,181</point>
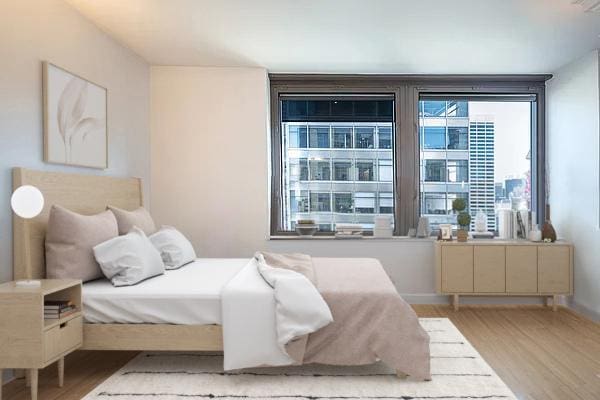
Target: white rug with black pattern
<point>458,372</point>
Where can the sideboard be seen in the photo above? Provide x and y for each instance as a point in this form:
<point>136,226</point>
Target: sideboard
<point>504,268</point>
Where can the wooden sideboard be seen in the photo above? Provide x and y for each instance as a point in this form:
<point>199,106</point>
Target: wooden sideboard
<point>504,268</point>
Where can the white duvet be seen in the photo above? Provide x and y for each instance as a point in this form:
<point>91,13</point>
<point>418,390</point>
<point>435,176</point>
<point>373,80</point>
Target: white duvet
<point>264,308</point>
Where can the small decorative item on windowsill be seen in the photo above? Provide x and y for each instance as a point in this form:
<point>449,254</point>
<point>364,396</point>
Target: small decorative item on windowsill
<point>306,227</point>
<point>463,219</point>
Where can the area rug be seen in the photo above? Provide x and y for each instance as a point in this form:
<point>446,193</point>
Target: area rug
<point>458,372</point>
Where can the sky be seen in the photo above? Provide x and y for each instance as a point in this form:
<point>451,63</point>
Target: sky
<point>512,124</point>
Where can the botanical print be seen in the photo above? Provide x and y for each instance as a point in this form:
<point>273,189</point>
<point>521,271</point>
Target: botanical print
<point>75,119</point>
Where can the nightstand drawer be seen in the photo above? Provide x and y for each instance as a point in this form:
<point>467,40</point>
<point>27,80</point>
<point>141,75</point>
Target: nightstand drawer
<point>63,337</point>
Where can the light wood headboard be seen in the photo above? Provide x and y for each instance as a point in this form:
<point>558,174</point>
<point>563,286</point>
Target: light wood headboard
<point>84,194</point>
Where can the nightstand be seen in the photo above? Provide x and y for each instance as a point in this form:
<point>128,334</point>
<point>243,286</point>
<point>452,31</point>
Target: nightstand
<point>27,340</point>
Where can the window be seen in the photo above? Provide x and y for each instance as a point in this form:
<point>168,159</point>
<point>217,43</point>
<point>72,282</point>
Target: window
<point>486,159</point>
<point>337,159</point>
<point>364,203</point>
<point>342,137</point>
<point>342,170</point>
<point>320,170</point>
<point>320,202</point>
<point>435,170</point>
<point>365,137</point>
<point>458,138</point>
<point>342,202</point>
<point>385,137</point>
<point>319,137</point>
<point>364,170</point>
<point>344,150</point>
<point>434,137</point>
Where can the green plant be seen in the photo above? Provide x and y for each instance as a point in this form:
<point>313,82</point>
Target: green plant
<point>459,204</point>
<point>463,219</point>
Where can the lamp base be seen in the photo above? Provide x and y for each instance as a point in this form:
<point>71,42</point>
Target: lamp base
<point>28,283</point>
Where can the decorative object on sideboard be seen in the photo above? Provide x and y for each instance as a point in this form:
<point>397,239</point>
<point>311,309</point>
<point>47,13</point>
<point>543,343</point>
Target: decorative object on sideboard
<point>348,231</point>
<point>423,228</point>
<point>75,119</point>
<point>27,202</point>
<point>548,231</point>
<point>383,226</point>
<point>412,233</point>
<point>535,235</point>
<point>480,222</point>
<point>446,232</point>
<point>306,227</point>
<point>463,219</point>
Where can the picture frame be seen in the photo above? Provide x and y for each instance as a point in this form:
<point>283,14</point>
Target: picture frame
<point>446,232</point>
<point>75,119</point>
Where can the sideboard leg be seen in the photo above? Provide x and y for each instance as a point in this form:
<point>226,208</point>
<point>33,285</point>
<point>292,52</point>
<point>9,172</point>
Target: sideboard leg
<point>34,383</point>
<point>555,302</point>
<point>1,382</point>
<point>27,378</point>
<point>61,371</point>
<point>455,301</point>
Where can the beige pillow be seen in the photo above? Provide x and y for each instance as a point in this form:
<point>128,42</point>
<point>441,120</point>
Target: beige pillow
<point>128,219</point>
<point>70,238</point>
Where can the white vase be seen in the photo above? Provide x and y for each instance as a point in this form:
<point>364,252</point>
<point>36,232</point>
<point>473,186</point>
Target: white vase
<point>535,235</point>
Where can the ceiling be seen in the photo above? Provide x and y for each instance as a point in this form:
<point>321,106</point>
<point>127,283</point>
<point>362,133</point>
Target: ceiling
<point>353,36</point>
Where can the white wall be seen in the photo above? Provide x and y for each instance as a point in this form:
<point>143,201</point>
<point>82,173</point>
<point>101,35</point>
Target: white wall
<point>210,173</point>
<point>33,31</point>
<point>573,128</point>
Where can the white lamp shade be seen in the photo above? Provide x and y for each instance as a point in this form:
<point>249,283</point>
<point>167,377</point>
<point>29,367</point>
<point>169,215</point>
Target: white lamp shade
<point>27,201</point>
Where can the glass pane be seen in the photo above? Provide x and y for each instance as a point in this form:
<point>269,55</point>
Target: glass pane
<point>320,202</point>
<point>487,160</point>
<point>297,136</point>
<point>299,200</point>
<point>320,170</point>
<point>319,137</point>
<point>434,137</point>
<point>385,137</point>
<point>435,170</point>
<point>342,137</point>
<point>364,170</point>
<point>364,137</point>
<point>458,138</point>
<point>458,171</point>
<point>386,172</point>
<point>458,109</point>
<point>342,170</point>
<point>386,203</point>
<point>432,108</point>
<point>364,203</point>
<point>342,202</point>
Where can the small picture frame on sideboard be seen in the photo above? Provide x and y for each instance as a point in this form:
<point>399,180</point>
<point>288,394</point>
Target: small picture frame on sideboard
<point>446,232</point>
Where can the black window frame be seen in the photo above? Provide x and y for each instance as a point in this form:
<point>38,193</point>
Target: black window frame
<point>407,91</point>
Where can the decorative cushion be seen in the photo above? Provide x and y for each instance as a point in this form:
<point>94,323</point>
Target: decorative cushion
<point>129,259</point>
<point>70,238</point>
<point>128,219</point>
<point>174,248</point>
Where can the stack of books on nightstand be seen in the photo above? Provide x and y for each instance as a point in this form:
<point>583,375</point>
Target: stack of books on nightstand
<point>58,309</point>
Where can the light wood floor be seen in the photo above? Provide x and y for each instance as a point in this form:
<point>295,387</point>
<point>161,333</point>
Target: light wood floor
<point>540,354</point>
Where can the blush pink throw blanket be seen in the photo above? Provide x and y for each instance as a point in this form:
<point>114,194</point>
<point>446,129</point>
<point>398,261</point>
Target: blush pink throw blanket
<point>370,320</point>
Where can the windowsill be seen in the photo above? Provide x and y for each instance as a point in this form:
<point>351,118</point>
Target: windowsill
<point>370,238</point>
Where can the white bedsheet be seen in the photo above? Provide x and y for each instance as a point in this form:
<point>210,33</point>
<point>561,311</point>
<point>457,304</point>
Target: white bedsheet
<point>190,295</point>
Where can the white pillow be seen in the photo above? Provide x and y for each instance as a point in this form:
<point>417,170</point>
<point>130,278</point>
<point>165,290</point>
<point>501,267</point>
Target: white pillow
<point>174,248</point>
<point>129,259</point>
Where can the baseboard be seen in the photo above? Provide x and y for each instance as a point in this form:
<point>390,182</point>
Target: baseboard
<point>432,298</point>
<point>583,310</point>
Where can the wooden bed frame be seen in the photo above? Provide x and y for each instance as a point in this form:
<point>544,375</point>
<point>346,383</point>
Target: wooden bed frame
<point>90,194</point>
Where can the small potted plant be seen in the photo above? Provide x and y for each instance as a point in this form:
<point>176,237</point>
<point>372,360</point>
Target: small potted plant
<point>463,219</point>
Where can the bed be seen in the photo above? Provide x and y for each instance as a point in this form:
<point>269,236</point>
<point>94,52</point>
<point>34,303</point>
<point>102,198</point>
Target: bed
<point>149,315</point>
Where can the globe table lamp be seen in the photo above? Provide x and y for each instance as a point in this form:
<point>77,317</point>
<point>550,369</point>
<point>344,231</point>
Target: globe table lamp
<point>27,202</point>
